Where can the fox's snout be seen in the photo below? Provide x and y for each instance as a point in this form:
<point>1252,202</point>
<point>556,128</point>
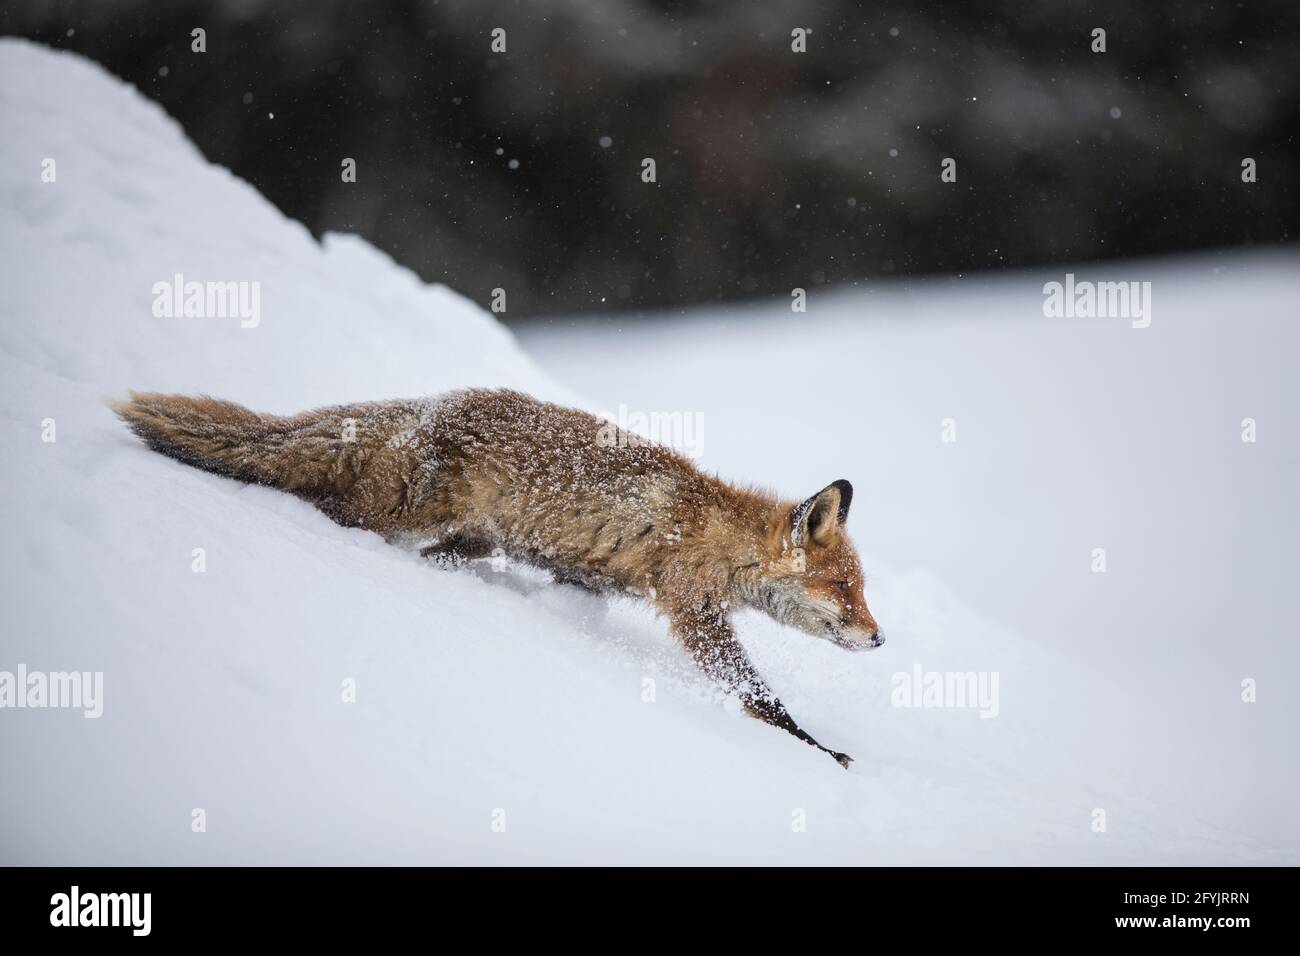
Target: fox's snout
<point>860,633</point>
<point>862,640</point>
<point>859,630</point>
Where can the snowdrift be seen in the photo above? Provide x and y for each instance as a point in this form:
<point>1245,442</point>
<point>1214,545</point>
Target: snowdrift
<point>323,697</point>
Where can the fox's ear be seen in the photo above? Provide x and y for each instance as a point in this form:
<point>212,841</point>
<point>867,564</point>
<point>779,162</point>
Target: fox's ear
<point>820,518</point>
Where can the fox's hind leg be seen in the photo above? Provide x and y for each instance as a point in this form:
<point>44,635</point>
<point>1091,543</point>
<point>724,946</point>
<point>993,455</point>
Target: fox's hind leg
<point>586,583</point>
<point>457,549</point>
<point>709,637</point>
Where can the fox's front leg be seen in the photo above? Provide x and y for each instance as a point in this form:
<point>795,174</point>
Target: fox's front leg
<point>709,637</point>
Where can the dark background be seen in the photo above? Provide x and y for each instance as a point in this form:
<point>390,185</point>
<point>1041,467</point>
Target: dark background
<point>775,169</point>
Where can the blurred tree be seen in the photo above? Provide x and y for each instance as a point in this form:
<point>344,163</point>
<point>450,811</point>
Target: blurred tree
<point>775,168</point>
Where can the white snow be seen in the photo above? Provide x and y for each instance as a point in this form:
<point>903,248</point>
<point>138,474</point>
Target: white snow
<point>485,696</point>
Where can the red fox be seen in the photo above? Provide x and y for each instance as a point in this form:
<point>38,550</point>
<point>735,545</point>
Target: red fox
<point>475,470</point>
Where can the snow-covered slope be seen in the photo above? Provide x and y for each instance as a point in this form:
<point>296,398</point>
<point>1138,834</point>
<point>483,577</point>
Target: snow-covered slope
<point>497,717</point>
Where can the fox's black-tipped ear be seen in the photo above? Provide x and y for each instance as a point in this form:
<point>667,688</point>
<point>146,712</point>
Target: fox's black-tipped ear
<point>820,518</point>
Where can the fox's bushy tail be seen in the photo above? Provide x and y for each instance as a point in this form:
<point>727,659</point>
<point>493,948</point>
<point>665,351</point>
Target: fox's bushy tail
<point>308,454</point>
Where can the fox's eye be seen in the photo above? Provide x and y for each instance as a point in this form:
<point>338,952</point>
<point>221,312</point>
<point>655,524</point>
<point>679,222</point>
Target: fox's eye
<point>842,586</point>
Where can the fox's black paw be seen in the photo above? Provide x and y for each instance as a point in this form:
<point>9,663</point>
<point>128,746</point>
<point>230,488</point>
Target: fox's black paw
<point>842,759</point>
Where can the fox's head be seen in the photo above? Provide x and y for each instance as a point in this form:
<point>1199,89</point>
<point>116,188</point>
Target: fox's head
<point>811,578</point>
